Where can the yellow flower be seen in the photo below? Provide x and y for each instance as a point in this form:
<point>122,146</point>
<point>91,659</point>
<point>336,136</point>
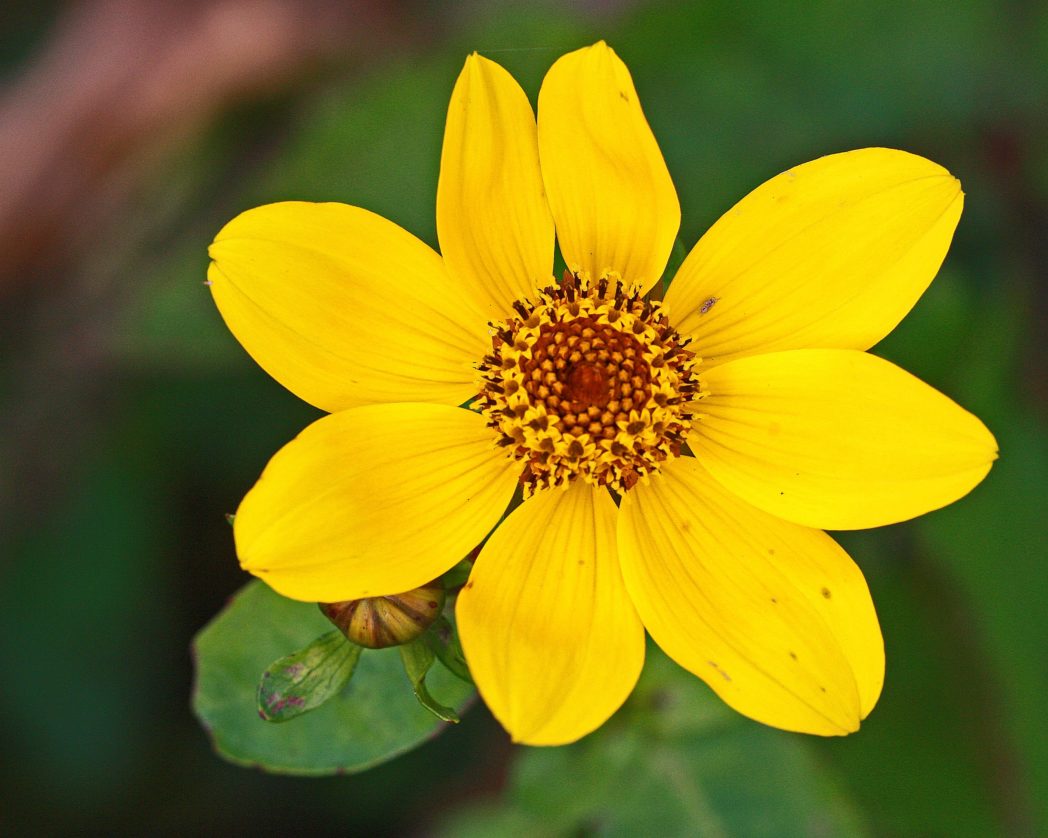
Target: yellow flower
<point>679,461</point>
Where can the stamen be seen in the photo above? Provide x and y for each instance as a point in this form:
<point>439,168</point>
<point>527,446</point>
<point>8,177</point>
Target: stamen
<point>587,384</point>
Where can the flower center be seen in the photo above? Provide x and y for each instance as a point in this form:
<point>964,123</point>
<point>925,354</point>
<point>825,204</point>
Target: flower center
<point>589,380</point>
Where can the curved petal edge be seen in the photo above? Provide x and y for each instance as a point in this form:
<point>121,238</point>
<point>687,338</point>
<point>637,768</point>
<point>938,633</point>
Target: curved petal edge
<point>612,198</point>
<point>373,501</point>
<point>551,637</point>
<point>837,439</point>
<point>493,222</point>
<point>832,253</point>
<point>345,308</point>
<point>775,617</point>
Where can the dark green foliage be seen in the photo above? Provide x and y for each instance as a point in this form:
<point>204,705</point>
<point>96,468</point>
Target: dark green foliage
<point>118,470</point>
<point>372,720</point>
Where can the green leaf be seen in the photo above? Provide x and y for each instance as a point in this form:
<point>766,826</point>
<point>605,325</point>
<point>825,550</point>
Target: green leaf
<point>304,680</point>
<point>673,761</point>
<point>372,720</point>
<point>910,766</point>
<point>993,544</point>
<point>418,657</point>
<point>442,638</point>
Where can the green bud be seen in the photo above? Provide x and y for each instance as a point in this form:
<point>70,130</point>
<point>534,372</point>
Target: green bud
<point>378,622</point>
<point>300,682</point>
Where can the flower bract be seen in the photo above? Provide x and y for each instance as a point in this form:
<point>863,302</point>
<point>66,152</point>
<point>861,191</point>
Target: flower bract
<point>679,458</point>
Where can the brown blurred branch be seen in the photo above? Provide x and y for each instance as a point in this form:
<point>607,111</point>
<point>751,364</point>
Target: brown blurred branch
<point>119,85</point>
<point>121,79</point>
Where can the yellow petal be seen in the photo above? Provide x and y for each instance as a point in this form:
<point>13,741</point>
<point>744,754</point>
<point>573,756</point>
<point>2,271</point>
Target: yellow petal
<point>833,253</point>
<point>494,226</point>
<point>552,639</point>
<point>611,195</point>
<point>345,308</point>
<point>837,439</point>
<point>373,501</point>
<point>775,617</point>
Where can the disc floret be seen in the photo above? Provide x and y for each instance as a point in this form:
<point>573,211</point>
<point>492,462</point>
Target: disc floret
<point>589,380</point>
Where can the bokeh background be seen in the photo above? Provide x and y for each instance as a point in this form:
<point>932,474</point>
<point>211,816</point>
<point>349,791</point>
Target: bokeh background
<point>130,419</point>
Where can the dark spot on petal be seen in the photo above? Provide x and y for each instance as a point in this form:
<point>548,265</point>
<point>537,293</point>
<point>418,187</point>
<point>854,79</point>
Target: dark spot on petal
<point>826,593</point>
<point>793,654</point>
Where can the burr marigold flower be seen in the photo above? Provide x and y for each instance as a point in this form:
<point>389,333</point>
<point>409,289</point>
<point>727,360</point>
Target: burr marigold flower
<point>679,459</point>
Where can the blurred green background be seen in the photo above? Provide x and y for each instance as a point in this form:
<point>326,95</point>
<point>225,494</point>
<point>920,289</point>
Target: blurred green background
<point>130,419</point>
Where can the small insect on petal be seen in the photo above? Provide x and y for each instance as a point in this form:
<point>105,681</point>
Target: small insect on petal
<point>709,303</point>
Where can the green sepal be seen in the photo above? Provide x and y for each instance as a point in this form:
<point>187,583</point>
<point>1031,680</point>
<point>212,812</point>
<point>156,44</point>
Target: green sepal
<point>230,518</point>
<point>303,680</point>
<point>443,640</point>
<point>457,576</point>
<point>418,657</point>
